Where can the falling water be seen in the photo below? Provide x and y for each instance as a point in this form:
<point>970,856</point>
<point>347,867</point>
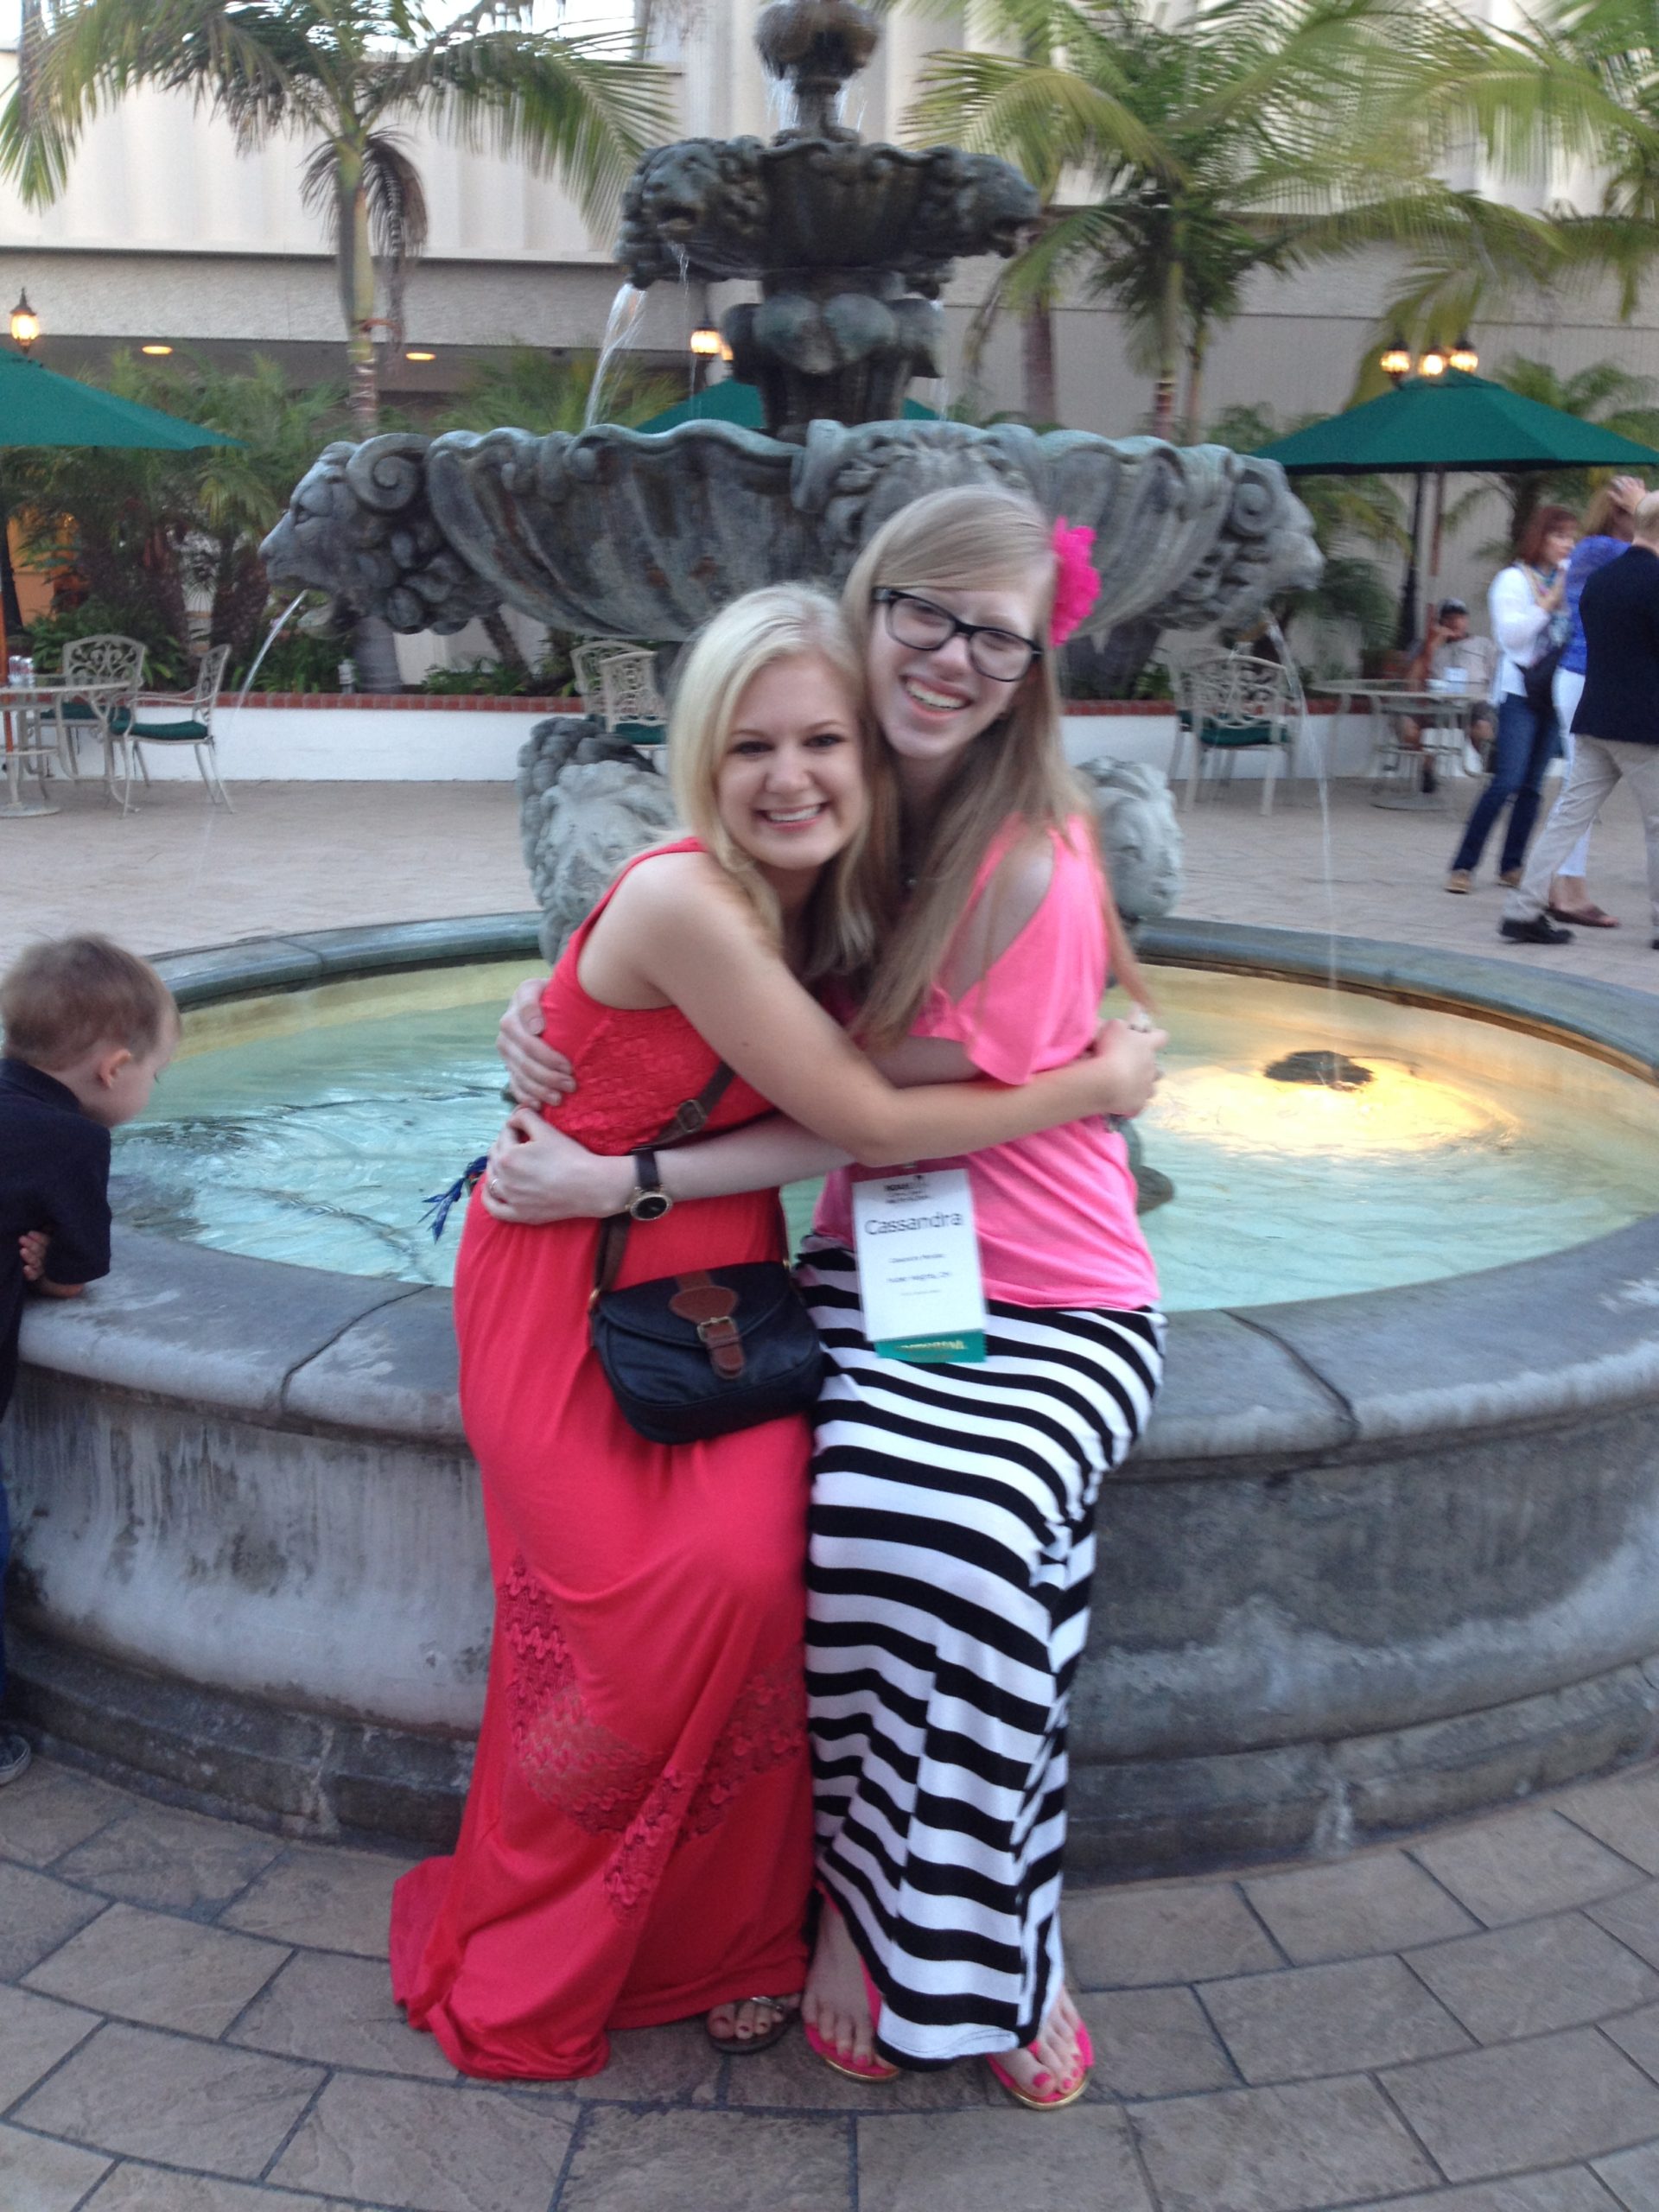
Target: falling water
<point>276,628</point>
<point>619,325</point>
<point>850,106</point>
<point>1322,778</point>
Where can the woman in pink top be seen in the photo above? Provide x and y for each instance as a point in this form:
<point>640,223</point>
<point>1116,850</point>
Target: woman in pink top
<point>950,1544</point>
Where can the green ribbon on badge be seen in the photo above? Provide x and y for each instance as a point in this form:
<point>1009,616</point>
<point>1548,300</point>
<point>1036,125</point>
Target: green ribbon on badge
<point>967,1350</point>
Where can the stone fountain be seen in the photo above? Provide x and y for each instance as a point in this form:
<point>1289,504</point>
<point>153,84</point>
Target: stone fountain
<point>614,532</point>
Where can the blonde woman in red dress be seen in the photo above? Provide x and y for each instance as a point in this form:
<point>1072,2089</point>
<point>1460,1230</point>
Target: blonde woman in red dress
<point>636,1844</point>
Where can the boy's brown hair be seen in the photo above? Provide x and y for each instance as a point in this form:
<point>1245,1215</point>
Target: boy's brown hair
<point>63,996</point>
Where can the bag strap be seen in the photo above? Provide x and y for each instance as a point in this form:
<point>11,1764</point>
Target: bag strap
<point>688,1119</point>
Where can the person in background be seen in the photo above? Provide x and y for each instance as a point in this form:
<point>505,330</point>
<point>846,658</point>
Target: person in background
<point>1607,534</point>
<point>1527,606</point>
<point>1616,727</point>
<point>88,1028</point>
<point>1450,657</point>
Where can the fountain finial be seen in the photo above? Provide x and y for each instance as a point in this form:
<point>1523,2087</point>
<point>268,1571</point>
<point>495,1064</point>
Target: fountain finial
<point>816,45</point>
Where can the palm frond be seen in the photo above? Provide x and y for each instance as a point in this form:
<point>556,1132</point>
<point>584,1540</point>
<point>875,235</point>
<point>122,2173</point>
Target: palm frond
<point>576,106</point>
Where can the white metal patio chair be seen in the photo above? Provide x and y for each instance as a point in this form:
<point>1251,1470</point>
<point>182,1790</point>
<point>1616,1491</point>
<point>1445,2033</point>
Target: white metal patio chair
<point>107,657</point>
<point>179,718</point>
<point>617,680</point>
<point>1234,702</point>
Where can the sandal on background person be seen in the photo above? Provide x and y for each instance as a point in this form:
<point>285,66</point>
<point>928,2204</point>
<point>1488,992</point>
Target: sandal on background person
<point>1584,917</point>
<point>743,2046</point>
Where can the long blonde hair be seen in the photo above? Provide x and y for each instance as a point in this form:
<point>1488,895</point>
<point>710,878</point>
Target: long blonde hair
<point>975,538</point>
<point>839,928</point>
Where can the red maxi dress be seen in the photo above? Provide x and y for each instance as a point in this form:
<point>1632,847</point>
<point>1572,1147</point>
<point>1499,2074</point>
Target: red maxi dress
<point>636,1844</point>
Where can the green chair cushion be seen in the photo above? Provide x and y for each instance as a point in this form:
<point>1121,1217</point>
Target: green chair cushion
<point>171,732</point>
<point>1246,730</point>
<point>77,710</point>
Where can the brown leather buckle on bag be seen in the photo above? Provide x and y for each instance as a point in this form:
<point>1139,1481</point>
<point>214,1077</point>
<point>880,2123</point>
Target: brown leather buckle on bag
<point>709,1307</point>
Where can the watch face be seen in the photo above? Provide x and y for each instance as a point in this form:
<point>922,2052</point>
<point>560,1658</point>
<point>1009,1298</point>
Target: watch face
<point>650,1205</point>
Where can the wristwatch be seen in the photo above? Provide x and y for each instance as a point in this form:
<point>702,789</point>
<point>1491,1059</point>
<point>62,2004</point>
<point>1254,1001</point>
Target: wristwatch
<point>650,1201</point>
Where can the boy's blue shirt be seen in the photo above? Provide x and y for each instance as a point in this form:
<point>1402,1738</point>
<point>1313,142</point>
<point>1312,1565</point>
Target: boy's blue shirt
<point>55,1175</point>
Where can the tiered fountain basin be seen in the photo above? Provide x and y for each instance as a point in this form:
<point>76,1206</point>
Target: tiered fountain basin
<point>1386,1556</point>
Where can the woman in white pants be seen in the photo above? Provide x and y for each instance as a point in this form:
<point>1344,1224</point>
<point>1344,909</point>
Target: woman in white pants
<point>1607,534</point>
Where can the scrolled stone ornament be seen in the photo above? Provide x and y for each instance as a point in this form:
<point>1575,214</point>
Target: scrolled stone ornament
<point>360,528</point>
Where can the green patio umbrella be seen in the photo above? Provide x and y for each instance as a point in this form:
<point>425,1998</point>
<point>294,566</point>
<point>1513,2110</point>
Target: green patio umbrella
<point>731,402</point>
<point>1455,421</point>
<point>39,408</point>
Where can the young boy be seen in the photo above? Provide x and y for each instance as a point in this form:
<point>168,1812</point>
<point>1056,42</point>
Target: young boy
<point>87,1029</point>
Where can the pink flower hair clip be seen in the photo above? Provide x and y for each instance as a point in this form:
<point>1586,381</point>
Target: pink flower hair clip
<point>1077,585</point>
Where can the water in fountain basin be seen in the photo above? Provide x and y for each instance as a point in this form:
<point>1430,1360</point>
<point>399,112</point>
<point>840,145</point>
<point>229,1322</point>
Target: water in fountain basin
<point>619,325</point>
<point>318,1146</point>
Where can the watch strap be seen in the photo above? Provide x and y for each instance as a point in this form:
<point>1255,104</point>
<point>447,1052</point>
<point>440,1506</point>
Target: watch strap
<point>688,1120</point>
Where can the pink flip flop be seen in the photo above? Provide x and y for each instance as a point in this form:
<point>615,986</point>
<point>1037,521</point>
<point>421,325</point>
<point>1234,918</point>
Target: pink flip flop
<point>855,2069</point>
<point>1055,2098</point>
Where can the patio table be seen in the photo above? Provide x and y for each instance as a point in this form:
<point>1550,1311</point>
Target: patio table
<point>24,710</point>
<point>1442,713</point>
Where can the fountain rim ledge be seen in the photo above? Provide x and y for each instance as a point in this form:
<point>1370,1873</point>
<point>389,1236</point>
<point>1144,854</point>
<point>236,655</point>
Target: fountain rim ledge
<point>1337,1379</point>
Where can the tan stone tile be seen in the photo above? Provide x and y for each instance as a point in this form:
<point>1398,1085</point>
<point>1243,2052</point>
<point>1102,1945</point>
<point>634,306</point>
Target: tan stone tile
<point>331,1900</point>
<point>1524,1864</point>
<point>708,2162</point>
<point>1568,2188</point>
<point>1633,2177</point>
<point>1153,2042</point>
<point>1622,1813</point>
<point>36,2032</point>
<point>1179,1931</point>
<point>661,2066</point>
<point>37,2175</point>
<point>434,2149</point>
<point>176,1862</point>
<point>1634,1918</point>
<point>166,1972</point>
<point>1638,2033</point>
<point>149,2095</point>
<point>1536,1975</point>
<point>133,2188</point>
<point>49,1810</point>
<point>1545,2102</point>
<point>340,2011</point>
<point>1287,2150</point>
<point>1377,1902</point>
<point>984,2162</point>
<point>36,1914</point>
<point>790,2077</point>
<point>1343,2018</point>
<point>293,856</point>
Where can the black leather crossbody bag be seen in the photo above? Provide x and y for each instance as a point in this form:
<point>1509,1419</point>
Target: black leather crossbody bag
<point>699,1355</point>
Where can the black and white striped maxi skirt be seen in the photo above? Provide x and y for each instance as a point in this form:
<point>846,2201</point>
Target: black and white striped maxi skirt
<point>950,1553</point>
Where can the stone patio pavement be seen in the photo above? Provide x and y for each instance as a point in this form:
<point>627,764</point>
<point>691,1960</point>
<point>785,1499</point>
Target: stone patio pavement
<point>321,855</point>
<point>195,2015</point>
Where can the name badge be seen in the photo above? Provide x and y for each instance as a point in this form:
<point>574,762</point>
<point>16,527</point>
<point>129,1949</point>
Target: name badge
<point>919,1266</point>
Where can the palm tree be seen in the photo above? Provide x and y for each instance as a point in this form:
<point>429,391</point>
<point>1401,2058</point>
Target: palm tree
<point>1253,135</point>
<point>346,73</point>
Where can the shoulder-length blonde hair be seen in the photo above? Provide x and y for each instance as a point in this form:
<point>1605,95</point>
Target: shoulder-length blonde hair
<point>839,928</point>
<point>976,537</point>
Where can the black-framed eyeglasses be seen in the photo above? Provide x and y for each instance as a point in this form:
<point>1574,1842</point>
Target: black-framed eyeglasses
<point>1003,656</point>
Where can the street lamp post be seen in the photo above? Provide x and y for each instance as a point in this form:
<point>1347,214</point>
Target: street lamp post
<point>1396,363</point>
